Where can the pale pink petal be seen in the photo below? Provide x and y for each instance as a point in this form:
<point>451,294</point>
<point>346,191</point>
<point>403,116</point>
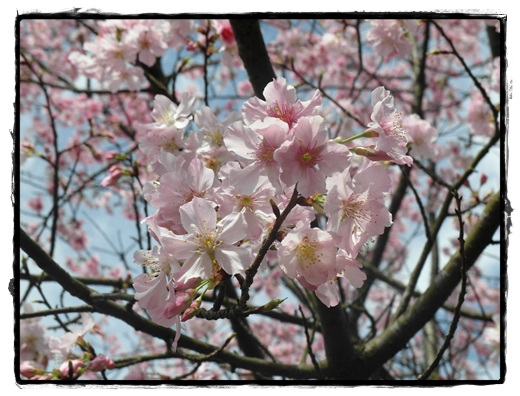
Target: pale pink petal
<point>179,246</point>
<point>197,266</point>
<point>242,141</point>
<point>328,293</point>
<point>198,215</point>
<point>233,228</point>
<point>233,259</point>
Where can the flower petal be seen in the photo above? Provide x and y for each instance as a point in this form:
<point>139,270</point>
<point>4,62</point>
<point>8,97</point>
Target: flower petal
<point>233,259</point>
<point>233,228</point>
<point>198,215</point>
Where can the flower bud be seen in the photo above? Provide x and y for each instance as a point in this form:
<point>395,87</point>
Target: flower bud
<point>100,363</point>
<point>28,370</point>
<point>483,178</point>
<point>180,302</point>
<point>74,364</point>
<point>191,311</point>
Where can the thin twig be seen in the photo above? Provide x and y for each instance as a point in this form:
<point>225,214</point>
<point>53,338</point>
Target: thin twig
<point>462,293</point>
<point>309,345</point>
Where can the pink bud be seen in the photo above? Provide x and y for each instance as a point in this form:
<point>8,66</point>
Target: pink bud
<point>109,155</point>
<point>43,377</point>
<point>101,362</point>
<point>483,178</point>
<point>65,369</point>
<point>180,302</point>
<point>114,173</point>
<point>189,284</point>
<point>191,311</point>
<point>28,370</point>
<point>226,33</point>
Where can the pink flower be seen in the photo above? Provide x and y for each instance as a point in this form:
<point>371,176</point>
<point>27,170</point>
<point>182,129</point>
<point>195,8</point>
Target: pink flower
<point>192,310</point>
<point>149,43</point>
<point>208,245</point>
<point>33,340</point>
<point>308,157</point>
<point>153,288</point>
<point>247,193</point>
<point>422,136</point>
<point>156,289</point>
<point>480,117</point>
<point>308,255</point>
<point>167,114</point>
<point>212,148</point>
<point>255,146</point>
<point>62,347</point>
<point>355,206</point>
<point>111,54</point>
<point>350,269</point>
<point>386,122</point>
<point>115,172</point>
<point>183,181</point>
<point>211,127</point>
<point>328,293</point>
<point>36,204</point>
<point>132,77</point>
<point>153,141</point>
<point>179,303</point>
<point>390,37</point>
<point>280,102</point>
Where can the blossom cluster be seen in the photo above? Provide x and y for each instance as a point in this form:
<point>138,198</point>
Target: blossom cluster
<point>220,190</point>
<point>37,350</point>
<point>122,46</point>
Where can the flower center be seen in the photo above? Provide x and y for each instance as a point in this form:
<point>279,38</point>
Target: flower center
<point>207,243</point>
<point>282,111</point>
<point>265,153</point>
<point>155,264</point>
<point>309,157</point>
<point>306,157</point>
<point>392,126</point>
<point>170,146</point>
<point>215,138</point>
<point>306,253</point>
<point>244,201</point>
<point>355,209</point>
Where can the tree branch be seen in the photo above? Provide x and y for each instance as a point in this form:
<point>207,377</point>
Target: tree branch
<point>139,323</point>
<point>395,337</point>
<point>252,51</point>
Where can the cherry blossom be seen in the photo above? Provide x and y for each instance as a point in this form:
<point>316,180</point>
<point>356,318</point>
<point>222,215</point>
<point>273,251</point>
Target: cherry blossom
<point>355,206</point>
<point>280,102</point>
<point>309,256</point>
<point>309,157</point>
<point>255,146</point>
<point>61,348</point>
<point>179,185</point>
<point>391,37</point>
<point>100,363</point>
<point>250,194</point>
<point>386,122</point>
<point>480,116</point>
<point>208,245</point>
<point>167,114</point>
<point>422,136</point>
